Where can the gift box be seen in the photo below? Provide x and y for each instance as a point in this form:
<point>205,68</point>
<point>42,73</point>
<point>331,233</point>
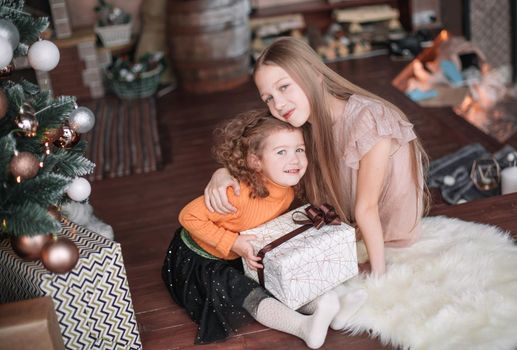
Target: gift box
<point>92,301</point>
<point>30,324</point>
<point>312,262</point>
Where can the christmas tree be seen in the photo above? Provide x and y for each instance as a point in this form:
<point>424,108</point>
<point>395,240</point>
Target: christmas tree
<point>41,154</point>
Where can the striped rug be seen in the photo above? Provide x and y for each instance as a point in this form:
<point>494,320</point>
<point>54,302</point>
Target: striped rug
<point>125,138</point>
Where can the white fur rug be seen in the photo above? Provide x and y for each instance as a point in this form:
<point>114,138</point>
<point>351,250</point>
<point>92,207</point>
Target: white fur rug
<point>456,288</point>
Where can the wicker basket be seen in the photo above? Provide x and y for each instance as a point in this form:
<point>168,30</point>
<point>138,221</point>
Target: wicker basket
<point>146,85</point>
<point>115,35</point>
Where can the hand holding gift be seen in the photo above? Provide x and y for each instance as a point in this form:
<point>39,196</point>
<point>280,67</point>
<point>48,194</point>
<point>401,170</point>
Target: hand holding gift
<point>244,249</point>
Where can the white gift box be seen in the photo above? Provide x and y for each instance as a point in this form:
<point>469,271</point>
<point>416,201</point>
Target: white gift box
<point>308,265</point>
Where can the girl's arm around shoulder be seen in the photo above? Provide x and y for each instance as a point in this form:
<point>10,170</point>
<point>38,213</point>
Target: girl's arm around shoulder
<point>208,226</point>
<point>216,192</point>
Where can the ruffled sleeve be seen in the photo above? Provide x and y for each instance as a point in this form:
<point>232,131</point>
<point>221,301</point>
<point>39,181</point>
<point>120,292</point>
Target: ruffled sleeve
<point>367,121</point>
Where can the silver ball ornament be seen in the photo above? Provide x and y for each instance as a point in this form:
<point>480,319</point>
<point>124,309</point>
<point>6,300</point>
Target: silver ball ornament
<point>9,31</point>
<point>81,120</point>
<point>6,53</point>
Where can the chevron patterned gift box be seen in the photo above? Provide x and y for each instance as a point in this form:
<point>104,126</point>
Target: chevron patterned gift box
<point>92,302</point>
<point>309,264</point>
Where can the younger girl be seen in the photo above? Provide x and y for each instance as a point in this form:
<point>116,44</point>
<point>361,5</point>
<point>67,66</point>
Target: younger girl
<point>203,269</point>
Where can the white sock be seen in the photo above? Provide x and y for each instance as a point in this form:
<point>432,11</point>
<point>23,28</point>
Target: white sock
<point>328,297</point>
<point>349,304</point>
<point>310,328</point>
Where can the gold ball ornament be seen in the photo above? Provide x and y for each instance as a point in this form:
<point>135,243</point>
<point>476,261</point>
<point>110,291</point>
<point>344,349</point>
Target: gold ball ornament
<point>29,248</point>
<point>4,104</point>
<point>68,138</point>
<point>51,135</point>
<point>54,212</point>
<point>59,255</point>
<point>26,120</point>
<point>23,166</point>
<point>7,70</point>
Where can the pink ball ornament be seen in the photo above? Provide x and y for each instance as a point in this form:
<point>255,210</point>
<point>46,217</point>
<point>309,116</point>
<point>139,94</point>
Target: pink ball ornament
<point>60,255</point>
<point>79,189</point>
<point>43,55</point>
<point>29,247</point>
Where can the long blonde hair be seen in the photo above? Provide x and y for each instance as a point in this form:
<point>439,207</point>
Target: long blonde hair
<point>322,180</point>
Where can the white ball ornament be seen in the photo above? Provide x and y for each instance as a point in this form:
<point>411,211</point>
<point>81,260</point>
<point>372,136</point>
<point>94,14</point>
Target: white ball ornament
<point>79,189</point>
<point>43,55</point>
<point>6,53</point>
<point>9,31</point>
<point>81,120</point>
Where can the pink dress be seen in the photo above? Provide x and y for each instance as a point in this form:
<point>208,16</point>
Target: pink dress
<point>365,122</point>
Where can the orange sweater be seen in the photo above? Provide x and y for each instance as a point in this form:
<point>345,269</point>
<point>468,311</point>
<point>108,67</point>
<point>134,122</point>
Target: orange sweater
<point>216,233</point>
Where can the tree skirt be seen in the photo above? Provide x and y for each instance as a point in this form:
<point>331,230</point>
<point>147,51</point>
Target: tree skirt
<point>456,288</point>
<point>125,138</point>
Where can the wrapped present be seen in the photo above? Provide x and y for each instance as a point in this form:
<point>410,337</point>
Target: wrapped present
<point>305,258</point>
<point>30,324</point>
<point>92,301</point>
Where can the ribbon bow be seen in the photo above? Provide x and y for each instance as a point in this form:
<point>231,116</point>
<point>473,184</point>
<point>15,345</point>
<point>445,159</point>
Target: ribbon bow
<point>315,217</point>
<point>318,217</point>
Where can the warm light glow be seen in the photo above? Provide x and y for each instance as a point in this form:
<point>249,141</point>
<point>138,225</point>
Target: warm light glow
<point>18,179</point>
<point>41,164</point>
<point>444,35</point>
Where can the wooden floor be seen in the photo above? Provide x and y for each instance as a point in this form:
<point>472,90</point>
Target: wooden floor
<point>143,209</point>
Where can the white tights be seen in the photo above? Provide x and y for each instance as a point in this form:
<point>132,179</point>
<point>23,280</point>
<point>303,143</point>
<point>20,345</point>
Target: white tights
<point>312,329</point>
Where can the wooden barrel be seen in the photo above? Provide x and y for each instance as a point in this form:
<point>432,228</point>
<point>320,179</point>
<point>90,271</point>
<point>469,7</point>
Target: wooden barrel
<point>210,43</point>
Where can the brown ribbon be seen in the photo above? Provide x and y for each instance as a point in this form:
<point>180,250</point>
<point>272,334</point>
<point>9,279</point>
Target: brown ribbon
<point>314,217</point>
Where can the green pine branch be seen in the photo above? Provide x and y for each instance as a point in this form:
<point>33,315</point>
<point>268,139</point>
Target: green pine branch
<point>12,5</point>
<point>52,114</point>
<point>28,26</point>
<point>29,144</point>
<point>45,189</point>
<point>30,219</point>
<point>7,146</point>
<point>29,88</point>
<point>68,164</point>
<point>79,148</point>
<point>15,97</point>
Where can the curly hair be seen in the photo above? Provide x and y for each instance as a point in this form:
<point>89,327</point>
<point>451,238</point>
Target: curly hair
<point>242,136</point>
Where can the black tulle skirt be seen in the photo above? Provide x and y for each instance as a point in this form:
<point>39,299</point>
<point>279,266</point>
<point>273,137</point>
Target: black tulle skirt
<point>211,290</point>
